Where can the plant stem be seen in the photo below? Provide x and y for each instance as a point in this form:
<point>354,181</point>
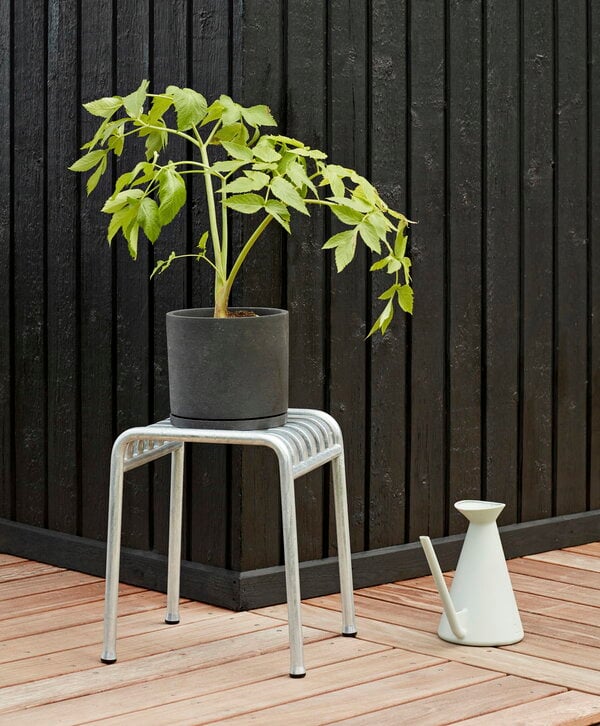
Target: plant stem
<point>220,263</point>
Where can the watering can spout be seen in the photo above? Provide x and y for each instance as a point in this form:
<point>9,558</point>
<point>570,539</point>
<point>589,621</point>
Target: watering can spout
<point>456,620</point>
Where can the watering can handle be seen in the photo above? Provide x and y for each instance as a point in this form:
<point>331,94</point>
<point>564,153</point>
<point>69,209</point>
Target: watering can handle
<point>440,583</point>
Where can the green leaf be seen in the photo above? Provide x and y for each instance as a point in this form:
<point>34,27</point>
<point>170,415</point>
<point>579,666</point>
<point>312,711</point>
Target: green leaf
<point>345,246</point>
<point>147,218</point>
<point>190,106</point>
<point>370,235</point>
<point>214,112</point>
<point>227,166</point>
<point>92,182</point>
<point>121,219</point>
<point>104,107</point>
<point>246,203</point>
<point>297,173</point>
<point>232,112</point>
<point>394,265</point>
<point>390,292</point>
<point>359,205</point>
<point>155,142</point>
<point>162,265</point>
<point>246,184</point>
<point>258,176</point>
<point>134,102</point>
<point>265,151</point>
<point>401,240</point>
<point>258,116</point>
<point>346,214</point>
<point>202,242</point>
<point>280,213</point>
<point>284,191</point>
<point>171,193</point>
<point>120,200</point>
<point>160,104</point>
<point>131,235</point>
<point>405,298</point>
<point>236,132</point>
<point>116,143</point>
<point>85,163</point>
<point>380,264</point>
<point>237,151</point>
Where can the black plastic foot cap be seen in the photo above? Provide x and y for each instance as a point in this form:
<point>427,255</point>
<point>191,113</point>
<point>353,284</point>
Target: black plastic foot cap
<point>297,675</point>
<point>350,635</point>
<point>171,622</point>
<point>108,661</point>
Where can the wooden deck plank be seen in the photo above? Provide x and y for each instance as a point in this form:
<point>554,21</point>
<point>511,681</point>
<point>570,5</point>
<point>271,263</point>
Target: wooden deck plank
<point>163,639</point>
<point>213,707</point>
<point>569,559</point>
<point>593,548</point>
<point>566,630</point>
<point>518,664</point>
<point>10,560</point>
<point>57,599</point>
<point>187,683</point>
<point>572,708</point>
<point>549,571</point>
<point>20,570</point>
<point>455,706</point>
<point>45,584</point>
<point>78,636</point>
<point>88,612</point>
<point>369,697</point>
<point>152,668</point>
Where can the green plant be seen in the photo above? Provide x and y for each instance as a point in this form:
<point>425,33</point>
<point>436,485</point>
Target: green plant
<point>266,175</point>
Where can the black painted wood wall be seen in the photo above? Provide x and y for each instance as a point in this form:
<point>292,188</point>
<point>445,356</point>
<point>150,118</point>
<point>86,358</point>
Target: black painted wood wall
<point>480,118</point>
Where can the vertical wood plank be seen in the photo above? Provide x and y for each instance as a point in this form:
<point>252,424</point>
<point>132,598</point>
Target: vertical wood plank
<point>306,281</point>
<point>464,228</point>
<point>96,289</point>
<point>169,291</point>
<point>571,258</point>
<point>6,272</point>
<point>257,78</point>
<point>594,252</point>
<point>348,306</point>
<point>30,236</point>
<point>501,96</point>
<point>208,495</point>
<point>386,431</point>
<point>537,256</point>
<point>132,312</point>
<point>62,224</point>
<point>428,250</point>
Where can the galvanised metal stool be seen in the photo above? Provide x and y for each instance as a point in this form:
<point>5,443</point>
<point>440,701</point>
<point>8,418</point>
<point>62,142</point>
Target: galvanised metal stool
<point>308,440</point>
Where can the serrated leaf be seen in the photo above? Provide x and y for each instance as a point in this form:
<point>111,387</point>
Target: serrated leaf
<point>346,214</point>
<point>258,116</point>
<point>131,235</point>
<point>236,132</point>
<point>92,182</point>
<point>338,239</point>
<point>147,218</point>
<point>104,107</point>
<point>121,219</point>
<point>116,143</point>
<point>258,176</point>
<point>344,253</point>
<point>202,242</point>
<point>246,184</point>
<point>359,205</point>
<point>265,152</point>
<point>156,142</point>
<point>394,265</point>
<point>160,104</point>
<point>297,173</point>
<point>284,191</point>
<point>405,298</point>
<point>227,166</point>
<point>89,160</point>
<point>245,203</point>
<point>237,151</point>
<point>190,106</point>
<point>280,213</point>
<point>120,200</point>
<point>162,265</point>
<point>134,102</point>
<point>370,236</point>
<point>386,316</point>
<point>389,293</point>
<point>380,264</point>
<point>171,193</point>
<point>232,111</point>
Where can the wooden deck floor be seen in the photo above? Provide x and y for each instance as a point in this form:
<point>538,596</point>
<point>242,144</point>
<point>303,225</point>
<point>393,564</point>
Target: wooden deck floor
<point>219,666</point>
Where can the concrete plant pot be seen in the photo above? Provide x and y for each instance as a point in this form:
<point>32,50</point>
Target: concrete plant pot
<point>229,373</point>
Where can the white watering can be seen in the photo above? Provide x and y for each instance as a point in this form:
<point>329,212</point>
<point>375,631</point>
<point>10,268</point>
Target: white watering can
<point>480,608</point>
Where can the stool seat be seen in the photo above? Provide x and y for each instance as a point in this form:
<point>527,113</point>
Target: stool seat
<point>309,439</point>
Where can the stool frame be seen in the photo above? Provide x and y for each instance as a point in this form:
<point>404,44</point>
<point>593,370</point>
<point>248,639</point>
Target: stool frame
<point>309,439</point>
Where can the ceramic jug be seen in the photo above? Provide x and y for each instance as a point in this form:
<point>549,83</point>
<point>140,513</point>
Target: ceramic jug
<point>480,608</point>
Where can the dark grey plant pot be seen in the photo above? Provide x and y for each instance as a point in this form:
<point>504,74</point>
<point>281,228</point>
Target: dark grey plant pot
<point>228,373</point>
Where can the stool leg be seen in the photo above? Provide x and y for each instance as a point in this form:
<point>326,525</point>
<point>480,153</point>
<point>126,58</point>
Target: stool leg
<point>113,551</point>
<point>292,572</point>
<point>343,542</point>
<point>175,510</point>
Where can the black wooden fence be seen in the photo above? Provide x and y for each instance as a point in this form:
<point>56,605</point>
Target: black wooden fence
<point>480,118</point>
